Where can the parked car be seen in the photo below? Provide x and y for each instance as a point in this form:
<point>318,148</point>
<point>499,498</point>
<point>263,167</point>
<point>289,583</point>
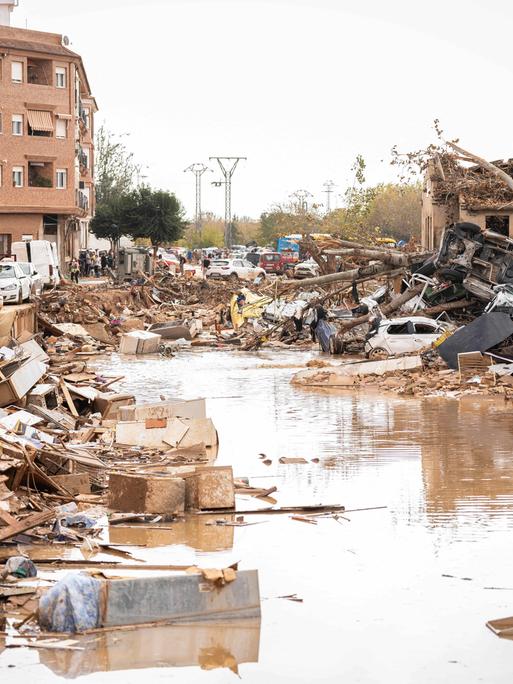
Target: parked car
<point>253,258</point>
<point>403,335</point>
<point>272,262</point>
<point>41,253</point>
<point>306,269</point>
<point>14,284</point>
<point>36,279</point>
<point>234,269</point>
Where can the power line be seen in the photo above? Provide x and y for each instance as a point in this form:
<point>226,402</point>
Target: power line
<point>198,170</point>
<point>302,196</point>
<point>329,185</point>
<point>227,166</point>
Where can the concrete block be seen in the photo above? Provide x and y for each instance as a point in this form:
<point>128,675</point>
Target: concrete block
<point>157,494</point>
<point>181,598</point>
<point>193,408</point>
<point>77,483</point>
<point>210,488</point>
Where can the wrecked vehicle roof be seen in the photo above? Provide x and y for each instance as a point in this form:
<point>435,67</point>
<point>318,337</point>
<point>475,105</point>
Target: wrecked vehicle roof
<point>480,260</point>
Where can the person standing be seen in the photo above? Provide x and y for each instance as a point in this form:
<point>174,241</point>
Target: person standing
<point>205,264</point>
<point>74,270</point>
<point>87,264</point>
<point>103,262</point>
<point>96,265</point>
<point>182,260</point>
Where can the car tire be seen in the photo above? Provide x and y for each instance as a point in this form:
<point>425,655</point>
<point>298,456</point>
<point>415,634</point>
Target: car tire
<point>233,277</point>
<point>20,296</point>
<point>377,354</point>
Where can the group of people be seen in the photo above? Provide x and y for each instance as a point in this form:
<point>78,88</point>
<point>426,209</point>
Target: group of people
<point>91,263</point>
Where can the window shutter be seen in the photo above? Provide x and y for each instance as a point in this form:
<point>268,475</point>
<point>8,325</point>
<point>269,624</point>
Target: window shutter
<point>17,71</point>
<point>60,128</point>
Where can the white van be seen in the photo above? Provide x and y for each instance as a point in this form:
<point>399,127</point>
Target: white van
<point>41,253</point>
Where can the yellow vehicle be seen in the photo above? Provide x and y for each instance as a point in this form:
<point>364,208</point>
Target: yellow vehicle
<point>387,242</point>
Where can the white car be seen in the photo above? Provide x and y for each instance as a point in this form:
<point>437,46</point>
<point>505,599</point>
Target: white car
<point>36,279</point>
<point>403,335</point>
<point>234,269</point>
<point>14,284</point>
<point>306,269</point>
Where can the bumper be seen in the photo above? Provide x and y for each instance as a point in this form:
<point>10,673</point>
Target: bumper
<point>9,296</point>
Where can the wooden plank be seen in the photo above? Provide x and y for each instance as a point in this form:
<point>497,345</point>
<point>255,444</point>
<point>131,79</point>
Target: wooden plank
<point>7,518</point>
<point>27,524</point>
<point>68,398</point>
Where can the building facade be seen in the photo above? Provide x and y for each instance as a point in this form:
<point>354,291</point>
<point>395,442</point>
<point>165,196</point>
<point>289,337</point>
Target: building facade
<point>441,208</point>
<point>46,142</point>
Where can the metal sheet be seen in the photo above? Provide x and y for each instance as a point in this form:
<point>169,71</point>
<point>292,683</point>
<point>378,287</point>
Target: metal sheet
<point>482,334</point>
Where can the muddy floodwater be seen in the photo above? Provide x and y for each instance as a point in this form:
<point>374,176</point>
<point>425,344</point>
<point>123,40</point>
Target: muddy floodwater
<point>399,595</point>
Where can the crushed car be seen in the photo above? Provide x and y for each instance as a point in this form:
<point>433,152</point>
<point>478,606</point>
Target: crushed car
<point>391,337</point>
<point>479,260</point>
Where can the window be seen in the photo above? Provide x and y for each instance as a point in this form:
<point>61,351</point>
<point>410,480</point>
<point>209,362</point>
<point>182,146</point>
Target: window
<point>40,174</point>
<point>17,72</point>
<point>17,176</point>
<point>61,175</point>
<point>61,128</point>
<point>85,116</point>
<point>401,329</point>
<point>60,77</point>
<point>425,329</point>
<point>86,157</point>
<point>17,124</point>
<point>498,224</point>
<point>40,123</point>
<point>5,244</point>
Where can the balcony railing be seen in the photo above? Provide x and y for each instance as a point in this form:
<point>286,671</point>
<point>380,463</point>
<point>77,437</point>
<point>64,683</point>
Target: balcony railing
<point>82,200</point>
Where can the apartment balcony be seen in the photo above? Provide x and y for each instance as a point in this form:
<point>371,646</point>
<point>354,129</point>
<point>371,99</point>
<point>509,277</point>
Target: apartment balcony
<point>39,72</point>
<point>82,200</point>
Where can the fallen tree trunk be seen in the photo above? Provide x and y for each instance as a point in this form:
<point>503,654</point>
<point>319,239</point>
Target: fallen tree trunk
<point>316,255</point>
<point>448,306</point>
<point>469,156</point>
<point>348,276</point>
<point>395,304</point>
<point>385,256</point>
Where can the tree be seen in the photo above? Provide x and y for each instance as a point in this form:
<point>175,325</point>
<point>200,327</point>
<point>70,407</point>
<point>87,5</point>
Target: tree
<point>284,220</point>
<point>154,214</point>
<point>116,173</point>
<point>396,209</point>
<point>108,222</point>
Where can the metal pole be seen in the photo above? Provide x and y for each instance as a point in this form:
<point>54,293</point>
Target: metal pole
<point>198,170</point>
<point>227,171</point>
<point>329,185</point>
<point>302,200</point>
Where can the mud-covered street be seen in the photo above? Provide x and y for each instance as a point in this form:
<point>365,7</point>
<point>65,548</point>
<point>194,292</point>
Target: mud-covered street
<point>401,592</point>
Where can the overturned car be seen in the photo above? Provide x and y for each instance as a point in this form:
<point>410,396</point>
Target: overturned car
<point>479,260</point>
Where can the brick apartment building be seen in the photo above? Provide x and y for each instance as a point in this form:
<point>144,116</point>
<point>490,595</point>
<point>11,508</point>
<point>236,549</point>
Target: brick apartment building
<point>46,142</point>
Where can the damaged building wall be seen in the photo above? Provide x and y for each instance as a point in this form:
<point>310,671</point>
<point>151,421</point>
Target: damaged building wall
<point>441,208</point>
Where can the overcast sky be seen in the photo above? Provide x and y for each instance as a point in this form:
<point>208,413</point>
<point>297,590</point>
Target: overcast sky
<point>299,87</point>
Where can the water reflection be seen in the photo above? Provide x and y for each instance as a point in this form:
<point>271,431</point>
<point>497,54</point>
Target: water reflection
<point>193,532</point>
<point>208,645</point>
